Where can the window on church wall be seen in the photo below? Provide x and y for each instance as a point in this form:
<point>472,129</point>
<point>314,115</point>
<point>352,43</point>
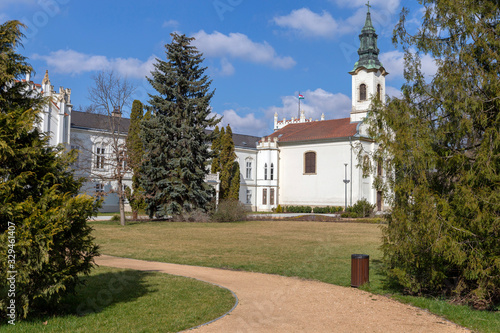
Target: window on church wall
<point>248,173</point>
<point>264,196</point>
<point>362,92</point>
<point>271,196</point>
<point>76,163</point>
<point>249,196</point>
<point>379,92</point>
<point>310,162</point>
<point>272,171</point>
<point>265,171</point>
<point>379,168</point>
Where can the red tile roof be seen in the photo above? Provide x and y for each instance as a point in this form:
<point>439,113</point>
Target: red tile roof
<point>317,130</point>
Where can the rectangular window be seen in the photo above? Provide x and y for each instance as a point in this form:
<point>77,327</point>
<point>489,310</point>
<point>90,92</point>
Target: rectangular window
<point>271,196</point>
<point>272,171</point>
<point>264,196</point>
<point>99,189</point>
<point>99,158</point>
<point>310,162</point>
<point>249,170</point>
<point>249,196</point>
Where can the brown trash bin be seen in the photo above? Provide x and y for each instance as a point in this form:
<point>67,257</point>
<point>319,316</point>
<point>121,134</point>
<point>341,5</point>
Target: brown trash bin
<point>359,269</point>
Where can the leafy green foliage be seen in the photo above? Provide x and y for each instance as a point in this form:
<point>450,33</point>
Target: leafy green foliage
<point>176,144</point>
<point>298,209</point>
<point>362,208</point>
<point>442,156</point>
<point>39,198</point>
<point>328,210</point>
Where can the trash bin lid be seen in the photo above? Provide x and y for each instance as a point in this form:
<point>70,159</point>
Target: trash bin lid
<point>360,256</point>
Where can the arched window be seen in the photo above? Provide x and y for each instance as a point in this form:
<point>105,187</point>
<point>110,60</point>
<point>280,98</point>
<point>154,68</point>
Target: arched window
<point>362,92</point>
<point>272,171</point>
<point>265,171</point>
<point>379,92</point>
<point>310,162</point>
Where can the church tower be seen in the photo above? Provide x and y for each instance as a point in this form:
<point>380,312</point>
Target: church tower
<point>368,75</point>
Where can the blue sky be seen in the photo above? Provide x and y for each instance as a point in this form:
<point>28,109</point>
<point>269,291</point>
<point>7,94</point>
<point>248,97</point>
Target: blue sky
<point>259,54</point>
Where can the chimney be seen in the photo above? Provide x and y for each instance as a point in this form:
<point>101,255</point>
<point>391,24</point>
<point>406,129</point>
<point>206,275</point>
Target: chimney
<point>116,112</point>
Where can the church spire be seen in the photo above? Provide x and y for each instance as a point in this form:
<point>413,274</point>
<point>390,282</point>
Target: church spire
<point>368,50</point>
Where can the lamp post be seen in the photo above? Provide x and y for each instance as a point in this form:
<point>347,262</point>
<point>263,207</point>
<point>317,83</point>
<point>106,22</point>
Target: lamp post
<point>346,181</point>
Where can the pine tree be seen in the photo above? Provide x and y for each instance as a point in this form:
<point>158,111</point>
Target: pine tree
<point>441,153</point>
<point>43,220</point>
<point>135,152</point>
<point>176,144</point>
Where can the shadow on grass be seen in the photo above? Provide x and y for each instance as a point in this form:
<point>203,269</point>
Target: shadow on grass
<point>99,291</point>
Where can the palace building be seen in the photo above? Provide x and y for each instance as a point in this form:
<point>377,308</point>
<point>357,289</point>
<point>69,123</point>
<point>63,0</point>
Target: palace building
<point>303,162</point>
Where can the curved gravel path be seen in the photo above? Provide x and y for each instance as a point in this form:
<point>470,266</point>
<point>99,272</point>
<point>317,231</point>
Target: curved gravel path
<point>272,303</point>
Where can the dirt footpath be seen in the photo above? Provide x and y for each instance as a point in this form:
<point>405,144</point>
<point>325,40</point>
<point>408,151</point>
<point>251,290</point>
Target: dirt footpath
<point>272,303</point>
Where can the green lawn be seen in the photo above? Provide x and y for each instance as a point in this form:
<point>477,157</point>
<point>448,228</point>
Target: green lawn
<point>313,250</point>
<point>116,300</point>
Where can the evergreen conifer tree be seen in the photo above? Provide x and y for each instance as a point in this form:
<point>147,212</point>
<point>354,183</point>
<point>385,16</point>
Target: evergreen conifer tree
<point>44,235</point>
<point>175,141</point>
<point>135,152</point>
<point>441,152</point>
<point>229,187</point>
<point>215,167</point>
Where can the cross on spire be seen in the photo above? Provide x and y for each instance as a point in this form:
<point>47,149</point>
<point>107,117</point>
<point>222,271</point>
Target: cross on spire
<point>368,5</point>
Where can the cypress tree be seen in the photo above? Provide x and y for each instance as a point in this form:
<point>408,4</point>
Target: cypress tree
<point>228,169</point>
<point>135,151</point>
<point>215,167</point>
<point>175,141</point>
<point>441,153</point>
<point>44,235</point>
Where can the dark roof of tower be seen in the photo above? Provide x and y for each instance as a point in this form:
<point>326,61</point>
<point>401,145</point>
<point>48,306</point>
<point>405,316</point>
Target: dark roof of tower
<point>368,51</point>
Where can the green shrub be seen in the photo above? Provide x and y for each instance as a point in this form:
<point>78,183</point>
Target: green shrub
<point>115,218</point>
<point>298,209</point>
<point>362,208</point>
<point>229,211</point>
<point>279,209</point>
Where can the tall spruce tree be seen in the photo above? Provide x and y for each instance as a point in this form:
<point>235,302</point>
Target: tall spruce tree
<point>176,144</point>
<point>135,152</point>
<point>441,151</point>
<point>44,237</point>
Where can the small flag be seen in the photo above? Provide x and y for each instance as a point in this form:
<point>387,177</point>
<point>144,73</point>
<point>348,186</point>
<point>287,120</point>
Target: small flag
<point>301,97</point>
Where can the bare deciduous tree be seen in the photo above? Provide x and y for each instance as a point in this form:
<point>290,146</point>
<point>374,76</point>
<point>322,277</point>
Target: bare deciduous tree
<point>109,96</point>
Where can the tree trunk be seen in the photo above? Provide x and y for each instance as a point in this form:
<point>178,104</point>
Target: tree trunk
<point>122,210</point>
<point>134,215</point>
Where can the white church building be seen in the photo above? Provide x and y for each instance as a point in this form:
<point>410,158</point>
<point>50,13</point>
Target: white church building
<point>303,162</point>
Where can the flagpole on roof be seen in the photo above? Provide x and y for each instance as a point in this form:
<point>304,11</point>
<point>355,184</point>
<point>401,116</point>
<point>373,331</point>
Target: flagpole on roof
<point>298,115</point>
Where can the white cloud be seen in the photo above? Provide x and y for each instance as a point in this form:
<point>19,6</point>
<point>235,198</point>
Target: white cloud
<point>315,103</point>
<point>245,124</point>
<point>393,62</point>
<point>239,46</point>
<point>170,23</point>
<point>310,23</point>
<point>73,62</point>
<point>392,92</point>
